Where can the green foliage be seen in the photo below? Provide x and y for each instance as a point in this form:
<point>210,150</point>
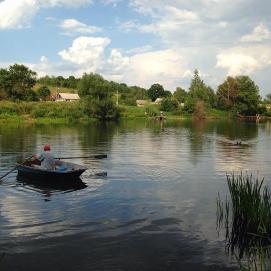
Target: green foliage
<point>156,91</point>
<point>132,112</point>
<point>239,94</point>
<point>104,109</point>
<point>43,93</point>
<point>167,93</point>
<point>17,82</point>
<point>169,105</point>
<point>198,91</point>
<point>22,79</point>
<point>59,81</point>
<point>180,94</point>
<point>152,110</point>
<point>247,100</point>
<point>95,86</point>
<point>227,93</point>
<point>247,220</point>
<point>128,99</point>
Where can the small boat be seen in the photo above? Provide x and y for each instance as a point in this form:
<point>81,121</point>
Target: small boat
<point>33,170</point>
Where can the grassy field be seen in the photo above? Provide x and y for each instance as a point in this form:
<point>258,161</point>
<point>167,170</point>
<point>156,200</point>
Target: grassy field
<point>63,112</point>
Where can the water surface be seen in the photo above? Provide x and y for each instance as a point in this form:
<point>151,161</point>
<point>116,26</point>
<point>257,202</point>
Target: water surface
<point>155,209</point>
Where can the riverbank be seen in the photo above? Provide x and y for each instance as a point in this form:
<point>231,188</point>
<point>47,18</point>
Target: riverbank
<point>66,112</point>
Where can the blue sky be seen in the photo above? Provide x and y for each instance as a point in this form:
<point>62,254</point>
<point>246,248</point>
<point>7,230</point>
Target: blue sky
<point>140,42</point>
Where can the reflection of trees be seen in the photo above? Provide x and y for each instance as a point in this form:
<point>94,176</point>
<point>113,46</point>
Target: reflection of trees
<point>234,130</point>
<point>97,136</point>
<point>15,143</point>
<point>198,135</point>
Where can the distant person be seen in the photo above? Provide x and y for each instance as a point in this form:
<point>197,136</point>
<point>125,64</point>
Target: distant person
<point>46,158</point>
<point>161,115</point>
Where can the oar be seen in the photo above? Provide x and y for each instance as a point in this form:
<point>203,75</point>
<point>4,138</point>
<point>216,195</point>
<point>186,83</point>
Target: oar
<point>97,156</point>
<point>14,168</point>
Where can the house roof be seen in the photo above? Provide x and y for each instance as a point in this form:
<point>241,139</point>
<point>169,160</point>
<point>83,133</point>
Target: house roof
<point>69,96</point>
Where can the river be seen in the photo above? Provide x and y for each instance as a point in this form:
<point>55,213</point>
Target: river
<point>155,209</point>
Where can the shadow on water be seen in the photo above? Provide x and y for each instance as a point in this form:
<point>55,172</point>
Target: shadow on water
<point>48,188</point>
<point>246,220</point>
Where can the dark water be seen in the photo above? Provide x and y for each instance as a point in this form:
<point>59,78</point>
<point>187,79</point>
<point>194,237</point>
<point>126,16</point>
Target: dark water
<point>155,209</point>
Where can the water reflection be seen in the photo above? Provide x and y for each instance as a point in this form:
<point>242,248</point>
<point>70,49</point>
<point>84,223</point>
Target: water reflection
<point>48,188</point>
<point>156,206</point>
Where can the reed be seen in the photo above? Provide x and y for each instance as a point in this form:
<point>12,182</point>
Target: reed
<point>247,220</point>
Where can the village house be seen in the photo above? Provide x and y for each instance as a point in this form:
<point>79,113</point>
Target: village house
<point>67,97</point>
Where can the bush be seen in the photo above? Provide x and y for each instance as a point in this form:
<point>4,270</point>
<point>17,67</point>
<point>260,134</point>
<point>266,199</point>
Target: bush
<point>169,105</point>
<point>199,112</point>
<point>104,109</point>
<point>128,99</point>
<point>43,93</point>
<point>152,110</point>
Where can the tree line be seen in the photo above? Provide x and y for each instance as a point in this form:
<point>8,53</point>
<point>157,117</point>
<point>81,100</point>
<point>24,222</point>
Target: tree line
<point>238,94</point>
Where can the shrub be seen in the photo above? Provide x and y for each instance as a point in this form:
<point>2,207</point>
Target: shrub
<point>199,112</point>
<point>104,109</point>
<point>169,105</point>
<point>152,110</point>
<point>43,93</point>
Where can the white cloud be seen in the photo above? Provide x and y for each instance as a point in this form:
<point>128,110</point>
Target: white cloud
<point>259,33</point>
<point>244,60</point>
<point>165,67</point>
<point>114,3</point>
<point>18,14</point>
<point>88,52</point>
<point>139,50</point>
<point>129,25</point>
<point>71,26</point>
<point>117,61</point>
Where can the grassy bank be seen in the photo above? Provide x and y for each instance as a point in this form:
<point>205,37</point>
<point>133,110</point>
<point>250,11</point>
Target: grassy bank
<point>40,112</point>
<point>66,112</point>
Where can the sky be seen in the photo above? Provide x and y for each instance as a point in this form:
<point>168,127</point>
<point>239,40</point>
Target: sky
<point>140,42</point>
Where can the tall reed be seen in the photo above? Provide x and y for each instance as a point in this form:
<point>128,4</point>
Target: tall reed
<point>247,220</point>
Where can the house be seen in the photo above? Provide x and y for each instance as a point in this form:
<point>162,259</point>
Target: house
<point>141,103</point>
<point>67,97</point>
<point>158,101</point>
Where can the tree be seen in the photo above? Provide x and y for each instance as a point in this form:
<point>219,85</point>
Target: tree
<point>155,91</point>
<point>103,110</point>
<point>180,94</point>
<point>5,83</point>
<point>43,92</point>
<point>94,85</point>
<point>199,91</point>
<point>248,98</point>
<point>19,82</point>
<point>239,94</point>
<point>227,93</point>
<point>169,104</point>
<point>268,98</point>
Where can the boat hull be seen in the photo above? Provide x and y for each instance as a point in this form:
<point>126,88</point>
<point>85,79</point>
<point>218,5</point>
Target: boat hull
<point>39,174</point>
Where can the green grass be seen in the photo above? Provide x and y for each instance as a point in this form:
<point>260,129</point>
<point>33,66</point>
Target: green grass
<point>35,111</point>
<point>130,112</point>
<point>217,113</point>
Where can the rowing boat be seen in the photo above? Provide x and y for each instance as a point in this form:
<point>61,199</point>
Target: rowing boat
<point>64,172</point>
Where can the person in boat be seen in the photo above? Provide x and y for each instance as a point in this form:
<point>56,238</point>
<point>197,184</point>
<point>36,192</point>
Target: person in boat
<point>46,158</point>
